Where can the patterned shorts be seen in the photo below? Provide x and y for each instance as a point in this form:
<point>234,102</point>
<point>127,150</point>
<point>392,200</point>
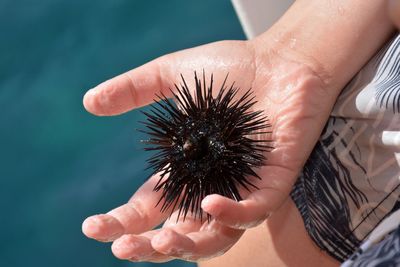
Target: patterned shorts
<point>350,182</point>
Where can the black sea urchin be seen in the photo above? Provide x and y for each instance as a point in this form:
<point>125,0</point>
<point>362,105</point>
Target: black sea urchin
<point>204,145</point>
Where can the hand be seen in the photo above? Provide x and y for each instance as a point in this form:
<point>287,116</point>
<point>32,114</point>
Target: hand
<point>292,95</point>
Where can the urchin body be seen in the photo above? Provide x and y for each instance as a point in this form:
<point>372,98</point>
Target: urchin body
<point>206,145</point>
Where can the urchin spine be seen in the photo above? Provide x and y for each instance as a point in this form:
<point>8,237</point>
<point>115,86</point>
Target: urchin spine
<point>205,145</point>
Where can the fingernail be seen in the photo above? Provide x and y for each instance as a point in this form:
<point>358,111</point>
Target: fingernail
<point>103,227</point>
<point>207,205</point>
<point>131,246</point>
<point>91,92</point>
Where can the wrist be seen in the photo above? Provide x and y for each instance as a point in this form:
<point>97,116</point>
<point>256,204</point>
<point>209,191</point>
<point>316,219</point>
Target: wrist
<point>281,46</point>
<point>333,39</point>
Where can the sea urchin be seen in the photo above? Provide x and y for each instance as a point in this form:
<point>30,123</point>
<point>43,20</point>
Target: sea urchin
<point>204,146</point>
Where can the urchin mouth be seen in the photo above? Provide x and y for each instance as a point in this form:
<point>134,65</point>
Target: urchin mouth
<point>202,144</point>
<point>196,148</point>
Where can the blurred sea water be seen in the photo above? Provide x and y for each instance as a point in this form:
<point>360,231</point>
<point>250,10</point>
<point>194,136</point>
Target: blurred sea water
<point>59,164</point>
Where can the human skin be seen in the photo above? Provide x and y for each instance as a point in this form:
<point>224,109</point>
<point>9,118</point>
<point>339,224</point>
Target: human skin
<point>394,12</point>
<point>296,69</point>
<point>280,241</point>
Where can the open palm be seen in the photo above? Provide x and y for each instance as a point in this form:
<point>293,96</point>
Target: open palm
<point>297,105</point>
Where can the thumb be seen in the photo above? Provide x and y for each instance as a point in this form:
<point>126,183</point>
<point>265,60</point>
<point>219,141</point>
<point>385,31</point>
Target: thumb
<point>130,90</point>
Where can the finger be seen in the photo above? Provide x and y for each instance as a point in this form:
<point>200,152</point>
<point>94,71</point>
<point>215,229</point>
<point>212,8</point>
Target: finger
<point>133,247</point>
<point>211,241</point>
<point>138,215</point>
<point>240,215</point>
<point>138,247</point>
<point>130,90</point>
<point>138,87</point>
<point>257,206</point>
<point>102,227</point>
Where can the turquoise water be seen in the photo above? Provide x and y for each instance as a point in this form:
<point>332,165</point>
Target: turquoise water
<point>59,163</point>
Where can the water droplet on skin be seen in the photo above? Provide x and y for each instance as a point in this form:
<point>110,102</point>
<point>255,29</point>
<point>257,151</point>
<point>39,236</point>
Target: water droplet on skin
<point>341,10</point>
<point>292,42</point>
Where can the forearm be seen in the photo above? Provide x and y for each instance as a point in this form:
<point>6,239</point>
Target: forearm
<point>334,38</point>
